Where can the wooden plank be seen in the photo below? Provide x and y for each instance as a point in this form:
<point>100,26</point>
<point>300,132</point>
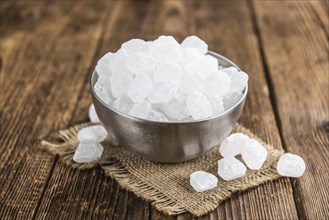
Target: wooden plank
<point>111,201</point>
<point>296,50</point>
<point>238,41</point>
<point>321,9</point>
<point>39,55</point>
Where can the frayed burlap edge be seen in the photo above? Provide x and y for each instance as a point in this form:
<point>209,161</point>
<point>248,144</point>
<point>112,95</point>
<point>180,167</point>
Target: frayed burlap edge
<point>114,168</point>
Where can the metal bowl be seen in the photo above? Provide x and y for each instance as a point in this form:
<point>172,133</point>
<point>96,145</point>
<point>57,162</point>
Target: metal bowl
<point>168,141</point>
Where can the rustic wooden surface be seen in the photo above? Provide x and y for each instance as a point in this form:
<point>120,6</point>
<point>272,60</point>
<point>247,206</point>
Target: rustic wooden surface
<point>49,48</point>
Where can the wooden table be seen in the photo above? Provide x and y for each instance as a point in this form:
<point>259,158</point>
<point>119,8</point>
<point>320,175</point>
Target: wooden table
<point>49,48</point>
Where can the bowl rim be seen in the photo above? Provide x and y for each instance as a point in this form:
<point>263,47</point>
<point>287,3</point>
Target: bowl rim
<point>226,112</point>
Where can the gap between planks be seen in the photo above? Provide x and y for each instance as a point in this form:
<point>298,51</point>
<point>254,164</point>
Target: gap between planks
<point>302,212</point>
<point>271,88</point>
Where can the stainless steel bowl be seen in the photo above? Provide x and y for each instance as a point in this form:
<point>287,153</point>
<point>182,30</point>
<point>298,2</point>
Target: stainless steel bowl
<point>168,141</point>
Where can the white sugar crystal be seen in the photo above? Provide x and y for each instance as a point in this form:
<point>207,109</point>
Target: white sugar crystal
<point>95,133</point>
<point>217,104</point>
<point>120,83</point>
<point>156,116</point>
<point>194,41</point>
<point>105,83</point>
<point>217,84</point>
<point>162,92</point>
<point>206,66</point>
<point>123,104</point>
<point>238,79</point>
<point>139,88</point>
<point>140,63</point>
<point>191,68</point>
<point>191,55</point>
<point>212,63</point>
<point>157,106</point>
<point>92,114</point>
<point>103,65</point>
<point>291,165</point>
<point>133,45</point>
<point>176,108</point>
<point>87,152</point>
<point>254,154</point>
<point>232,99</point>
<point>168,72</point>
<point>117,61</point>
<point>190,83</point>
<point>166,53</point>
<point>233,145</point>
<point>167,40</point>
<point>230,168</point>
<point>202,181</point>
<point>104,80</point>
<point>180,81</point>
<point>141,109</point>
<point>166,48</point>
<point>199,106</point>
<point>146,47</point>
<point>103,92</point>
<point>189,118</point>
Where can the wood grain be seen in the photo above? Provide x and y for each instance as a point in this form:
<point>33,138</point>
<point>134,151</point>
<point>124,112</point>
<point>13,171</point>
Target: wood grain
<point>112,202</point>
<point>40,90</point>
<point>321,10</point>
<point>48,50</point>
<point>271,200</point>
<point>174,13</point>
<point>296,50</point>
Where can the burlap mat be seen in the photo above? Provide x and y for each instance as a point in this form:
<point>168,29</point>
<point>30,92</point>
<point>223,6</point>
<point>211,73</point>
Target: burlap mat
<point>166,186</point>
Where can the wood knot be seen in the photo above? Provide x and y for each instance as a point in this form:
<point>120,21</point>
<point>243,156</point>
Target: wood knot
<point>174,12</point>
<point>325,126</point>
